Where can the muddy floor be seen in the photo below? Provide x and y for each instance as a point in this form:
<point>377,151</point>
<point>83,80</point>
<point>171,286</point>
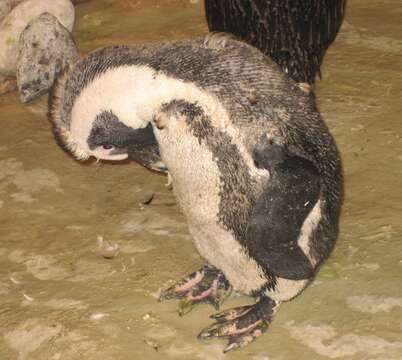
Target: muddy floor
<point>61,299</point>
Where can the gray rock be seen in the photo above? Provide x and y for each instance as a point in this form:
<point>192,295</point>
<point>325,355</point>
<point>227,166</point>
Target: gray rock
<point>18,18</point>
<point>45,48</point>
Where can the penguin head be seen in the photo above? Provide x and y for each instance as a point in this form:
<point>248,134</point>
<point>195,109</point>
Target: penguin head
<point>105,112</point>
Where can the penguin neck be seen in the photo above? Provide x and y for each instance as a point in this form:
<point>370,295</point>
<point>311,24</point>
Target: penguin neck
<point>152,90</point>
<point>135,95</point>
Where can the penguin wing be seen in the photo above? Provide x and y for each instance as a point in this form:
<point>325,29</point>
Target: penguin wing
<point>278,216</point>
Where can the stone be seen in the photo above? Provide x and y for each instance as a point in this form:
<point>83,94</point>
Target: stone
<point>6,6</point>
<point>7,84</point>
<point>18,18</point>
<point>45,48</point>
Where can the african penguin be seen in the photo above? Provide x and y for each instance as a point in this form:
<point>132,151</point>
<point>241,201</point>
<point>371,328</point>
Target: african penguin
<point>293,33</point>
<point>253,166</point>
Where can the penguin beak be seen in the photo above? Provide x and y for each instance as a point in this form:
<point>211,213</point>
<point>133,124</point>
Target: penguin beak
<point>118,151</point>
<point>116,157</point>
<point>115,154</point>
<point>158,166</point>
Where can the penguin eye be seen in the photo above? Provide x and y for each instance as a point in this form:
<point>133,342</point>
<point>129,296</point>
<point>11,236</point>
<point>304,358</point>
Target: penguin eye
<point>107,146</point>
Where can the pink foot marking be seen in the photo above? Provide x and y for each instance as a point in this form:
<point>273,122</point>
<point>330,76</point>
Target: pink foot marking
<point>205,285</point>
<point>241,325</point>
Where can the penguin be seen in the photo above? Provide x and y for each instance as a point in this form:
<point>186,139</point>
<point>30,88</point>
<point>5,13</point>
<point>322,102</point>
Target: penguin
<point>253,166</point>
<point>293,33</point>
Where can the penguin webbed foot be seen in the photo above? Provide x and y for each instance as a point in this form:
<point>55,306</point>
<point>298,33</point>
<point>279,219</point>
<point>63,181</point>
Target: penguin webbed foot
<point>241,325</point>
<point>206,285</point>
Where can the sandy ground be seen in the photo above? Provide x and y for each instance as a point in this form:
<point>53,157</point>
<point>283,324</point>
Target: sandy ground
<point>61,299</point>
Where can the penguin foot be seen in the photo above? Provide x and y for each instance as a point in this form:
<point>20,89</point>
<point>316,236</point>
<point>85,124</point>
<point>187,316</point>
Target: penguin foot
<point>241,325</point>
<point>207,285</point>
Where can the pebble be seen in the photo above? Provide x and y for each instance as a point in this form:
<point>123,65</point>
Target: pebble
<point>45,48</point>
<point>107,249</point>
<point>97,316</point>
<point>18,18</point>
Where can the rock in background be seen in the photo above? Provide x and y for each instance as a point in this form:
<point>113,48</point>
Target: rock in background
<point>7,84</point>
<point>6,6</point>
<point>18,18</point>
<point>45,48</point>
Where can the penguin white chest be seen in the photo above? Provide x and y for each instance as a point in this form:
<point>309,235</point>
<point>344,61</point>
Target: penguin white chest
<point>195,174</point>
<point>197,184</point>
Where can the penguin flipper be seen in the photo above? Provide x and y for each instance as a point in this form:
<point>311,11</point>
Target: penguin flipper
<point>279,214</point>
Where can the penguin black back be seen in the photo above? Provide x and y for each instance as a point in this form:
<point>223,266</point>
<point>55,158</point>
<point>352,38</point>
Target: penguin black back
<point>295,34</point>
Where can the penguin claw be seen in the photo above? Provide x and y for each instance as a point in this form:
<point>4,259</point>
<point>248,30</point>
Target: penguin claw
<point>207,285</point>
<point>185,306</point>
<point>241,325</point>
<point>232,329</point>
<point>246,339</point>
<point>170,294</point>
<point>239,337</point>
<point>231,314</point>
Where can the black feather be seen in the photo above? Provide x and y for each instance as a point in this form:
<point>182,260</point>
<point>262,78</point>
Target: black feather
<point>294,33</point>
